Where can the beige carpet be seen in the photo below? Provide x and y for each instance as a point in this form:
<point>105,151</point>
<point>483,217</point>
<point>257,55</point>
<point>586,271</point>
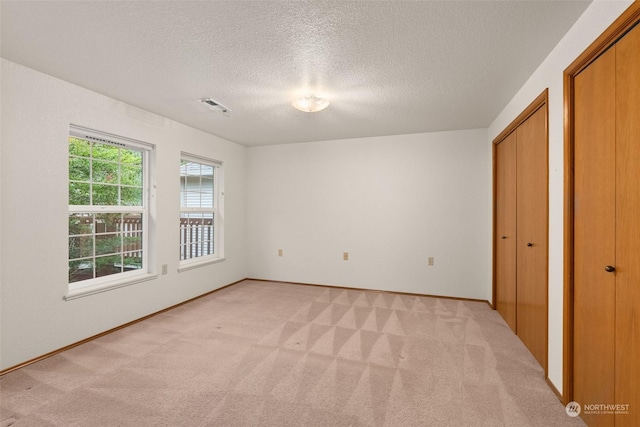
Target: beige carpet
<point>274,354</point>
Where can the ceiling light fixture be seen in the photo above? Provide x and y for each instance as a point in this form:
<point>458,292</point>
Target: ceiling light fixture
<point>310,103</point>
<point>215,105</point>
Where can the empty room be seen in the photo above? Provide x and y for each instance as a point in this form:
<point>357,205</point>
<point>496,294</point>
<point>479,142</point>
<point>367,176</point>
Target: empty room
<point>319,213</point>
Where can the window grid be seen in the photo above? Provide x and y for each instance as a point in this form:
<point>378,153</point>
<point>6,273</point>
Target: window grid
<point>127,182</point>
<point>96,244</point>
<point>198,210</point>
<point>106,209</point>
<point>196,235</point>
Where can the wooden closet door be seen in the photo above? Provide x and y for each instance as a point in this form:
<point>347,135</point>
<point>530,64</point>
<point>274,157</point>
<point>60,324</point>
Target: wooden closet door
<point>531,241</point>
<point>594,236</point>
<point>505,239</point>
<point>627,325</point>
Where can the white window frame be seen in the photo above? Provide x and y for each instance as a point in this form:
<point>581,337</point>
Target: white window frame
<point>217,210</point>
<point>101,284</point>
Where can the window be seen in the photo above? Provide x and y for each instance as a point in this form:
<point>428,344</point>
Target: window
<point>200,213</point>
<point>108,208</point>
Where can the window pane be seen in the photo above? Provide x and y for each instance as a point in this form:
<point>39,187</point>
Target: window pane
<point>113,244</point>
<point>108,244</point>
<point>80,270</point>
<point>132,262</point>
<point>105,195</point>
<point>80,223</point>
<point>131,196</point>
<point>108,265</point>
<point>79,193</point>
<point>192,169</point>
<point>79,147</point>
<point>132,241</point>
<point>206,185</point>
<point>206,200</point>
<point>131,157</point>
<point>108,223</point>
<point>105,172</point>
<point>132,238</point>
<point>131,175</point>
<point>106,152</point>
<point>207,193</point>
<point>196,234</point>
<point>206,171</point>
<point>80,247</point>
<point>192,199</point>
<point>79,169</point>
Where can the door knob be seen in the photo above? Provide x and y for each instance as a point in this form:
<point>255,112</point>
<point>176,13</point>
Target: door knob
<point>504,237</point>
<point>610,268</point>
<point>529,244</point>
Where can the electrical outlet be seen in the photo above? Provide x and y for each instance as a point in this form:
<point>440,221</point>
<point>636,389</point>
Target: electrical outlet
<point>279,252</point>
<point>164,268</point>
<point>345,256</point>
<point>430,260</point>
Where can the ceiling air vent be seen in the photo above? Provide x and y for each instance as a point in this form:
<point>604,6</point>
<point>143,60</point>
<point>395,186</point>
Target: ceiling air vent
<point>215,105</point>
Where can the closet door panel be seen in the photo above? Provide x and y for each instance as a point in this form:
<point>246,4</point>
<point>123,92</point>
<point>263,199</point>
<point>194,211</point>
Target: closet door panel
<point>594,235</point>
<point>505,238</point>
<point>532,211</point>
<point>628,228</point>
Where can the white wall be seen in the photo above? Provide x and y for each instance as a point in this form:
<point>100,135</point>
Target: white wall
<point>391,202</point>
<point>598,16</point>
<point>36,112</point>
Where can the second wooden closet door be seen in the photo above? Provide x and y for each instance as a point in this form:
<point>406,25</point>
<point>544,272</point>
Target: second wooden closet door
<point>531,239</point>
<point>521,231</point>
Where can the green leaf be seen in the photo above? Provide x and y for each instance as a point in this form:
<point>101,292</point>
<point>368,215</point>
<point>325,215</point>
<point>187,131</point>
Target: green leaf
<point>80,247</point>
<point>80,223</point>
<point>105,172</point>
<point>131,196</point>
<point>131,175</point>
<point>79,147</point>
<point>105,195</point>
<point>79,194</point>
<point>106,152</point>
<point>79,169</point>
<point>80,270</point>
<point>108,244</point>
<point>131,157</point>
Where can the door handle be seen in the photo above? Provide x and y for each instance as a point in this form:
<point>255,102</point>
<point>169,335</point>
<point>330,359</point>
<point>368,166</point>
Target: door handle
<point>530,244</point>
<point>503,237</point>
<point>610,268</point>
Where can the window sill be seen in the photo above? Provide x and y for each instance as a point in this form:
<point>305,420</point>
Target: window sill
<point>189,265</point>
<point>103,287</point>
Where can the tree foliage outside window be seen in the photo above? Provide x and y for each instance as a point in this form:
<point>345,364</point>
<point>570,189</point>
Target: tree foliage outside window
<point>106,209</point>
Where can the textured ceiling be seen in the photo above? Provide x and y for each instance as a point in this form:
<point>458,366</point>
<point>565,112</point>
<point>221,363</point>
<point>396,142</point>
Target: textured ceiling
<point>387,67</point>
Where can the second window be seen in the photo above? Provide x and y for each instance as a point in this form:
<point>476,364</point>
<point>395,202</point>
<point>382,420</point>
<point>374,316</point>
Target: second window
<point>199,208</point>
